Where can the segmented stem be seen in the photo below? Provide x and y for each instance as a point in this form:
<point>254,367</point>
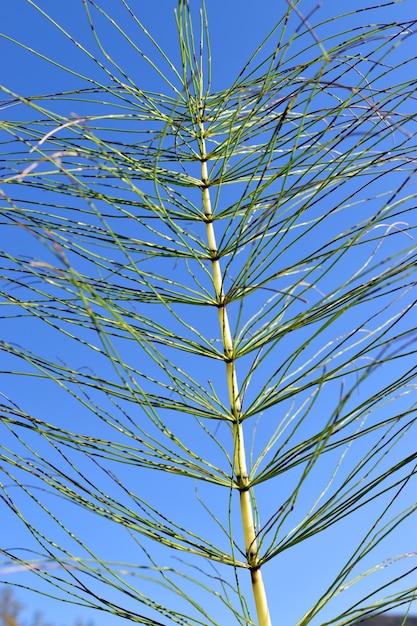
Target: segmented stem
<point>241,472</point>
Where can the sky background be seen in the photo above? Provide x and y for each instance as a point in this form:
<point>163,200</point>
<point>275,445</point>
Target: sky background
<point>235,30</point>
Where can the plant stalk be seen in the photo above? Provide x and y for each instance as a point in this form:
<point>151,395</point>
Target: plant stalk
<point>241,473</point>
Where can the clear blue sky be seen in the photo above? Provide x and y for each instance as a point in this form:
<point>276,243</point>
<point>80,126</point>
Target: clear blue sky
<point>235,29</point>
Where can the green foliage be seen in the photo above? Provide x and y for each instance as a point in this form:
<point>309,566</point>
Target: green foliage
<point>212,266</point>
<point>11,612</point>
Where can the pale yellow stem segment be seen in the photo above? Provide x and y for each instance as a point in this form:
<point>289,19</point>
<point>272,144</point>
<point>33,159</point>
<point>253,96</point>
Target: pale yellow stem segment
<point>234,396</point>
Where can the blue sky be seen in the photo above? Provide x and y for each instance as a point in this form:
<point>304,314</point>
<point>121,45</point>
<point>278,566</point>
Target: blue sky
<point>235,32</point>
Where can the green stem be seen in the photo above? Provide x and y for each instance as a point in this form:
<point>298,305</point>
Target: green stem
<point>241,472</point>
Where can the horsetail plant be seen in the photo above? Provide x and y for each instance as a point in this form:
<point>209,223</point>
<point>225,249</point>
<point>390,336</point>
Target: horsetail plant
<point>208,315</point>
